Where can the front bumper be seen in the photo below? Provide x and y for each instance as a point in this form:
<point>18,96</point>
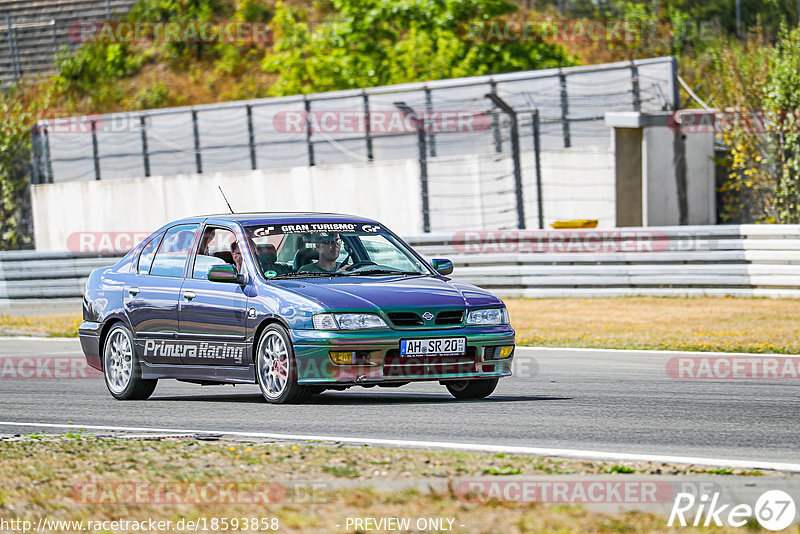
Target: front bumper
<point>383,364</point>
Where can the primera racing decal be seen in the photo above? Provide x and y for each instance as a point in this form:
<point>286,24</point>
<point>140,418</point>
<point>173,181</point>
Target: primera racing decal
<point>199,350</point>
<point>313,228</point>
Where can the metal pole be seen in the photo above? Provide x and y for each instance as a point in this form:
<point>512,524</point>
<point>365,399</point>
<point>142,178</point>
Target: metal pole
<point>637,94</point>
<point>251,137</point>
<point>55,37</point>
<point>537,151</point>
<point>423,162</point>
<point>739,18</point>
<point>14,67</point>
<point>48,159</point>
<point>35,153</point>
<point>198,159</point>
<point>108,9</point>
<point>498,138</point>
<point>565,110</point>
<point>145,153</point>
<point>367,128</point>
<point>310,144</point>
<point>95,151</point>
<point>429,111</point>
<point>508,110</point>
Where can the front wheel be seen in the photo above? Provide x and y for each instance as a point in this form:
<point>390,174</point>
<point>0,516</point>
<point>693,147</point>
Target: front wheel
<point>472,389</point>
<point>276,369</point>
<point>121,368</point>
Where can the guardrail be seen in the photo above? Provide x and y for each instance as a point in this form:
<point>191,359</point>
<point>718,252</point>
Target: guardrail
<point>741,260</point>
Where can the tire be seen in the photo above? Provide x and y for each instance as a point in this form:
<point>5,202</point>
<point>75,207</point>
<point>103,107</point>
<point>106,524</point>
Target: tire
<point>472,389</point>
<point>276,369</point>
<point>121,368</point>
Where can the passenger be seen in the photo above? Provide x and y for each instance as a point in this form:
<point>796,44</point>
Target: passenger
<point>237,256</point>
<point>328,248</point>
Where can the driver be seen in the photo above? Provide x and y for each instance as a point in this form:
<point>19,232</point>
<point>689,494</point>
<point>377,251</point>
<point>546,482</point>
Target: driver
<point>328,247</point>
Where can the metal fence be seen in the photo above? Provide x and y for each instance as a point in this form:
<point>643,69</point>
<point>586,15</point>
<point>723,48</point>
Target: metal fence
<point>531,111</point>
<point>33,32</point>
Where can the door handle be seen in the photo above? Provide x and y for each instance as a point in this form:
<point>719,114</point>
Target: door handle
<point>133,291</point>
<point>189,295</point>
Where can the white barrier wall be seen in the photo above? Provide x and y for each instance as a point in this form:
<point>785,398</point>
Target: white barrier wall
<point>387,191</point>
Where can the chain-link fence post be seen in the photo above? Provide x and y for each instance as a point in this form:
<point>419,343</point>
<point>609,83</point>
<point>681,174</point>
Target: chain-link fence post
<point>198,158</point>
<point>95,151</point>
<point>419,124</point>
<point>309,142</point>
<point>251,137</point>
<point>368,131</point>
<point>515,155</point>
<point>145,152</point>
<point>562,78</point>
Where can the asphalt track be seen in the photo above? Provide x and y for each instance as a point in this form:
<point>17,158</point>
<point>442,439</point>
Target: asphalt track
<point>615,401</point>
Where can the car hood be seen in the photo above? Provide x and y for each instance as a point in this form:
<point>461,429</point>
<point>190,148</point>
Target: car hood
<point>366,293</point>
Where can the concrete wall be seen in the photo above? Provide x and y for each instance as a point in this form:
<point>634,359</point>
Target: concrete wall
<point>661,193</point>
<point>387,191</point>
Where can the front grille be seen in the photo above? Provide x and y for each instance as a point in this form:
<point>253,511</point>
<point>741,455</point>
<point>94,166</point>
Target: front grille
<point>449,317</point>
<point>397,366</point>
<point>405,319</point>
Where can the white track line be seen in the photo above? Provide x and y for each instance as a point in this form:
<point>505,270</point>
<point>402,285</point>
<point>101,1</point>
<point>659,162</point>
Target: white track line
<point>560,453</point>
<point>532,351</point>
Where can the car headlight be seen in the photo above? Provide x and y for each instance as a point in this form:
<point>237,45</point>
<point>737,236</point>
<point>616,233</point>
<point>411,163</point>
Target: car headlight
<point>488,316</point>
<point>348,321</point>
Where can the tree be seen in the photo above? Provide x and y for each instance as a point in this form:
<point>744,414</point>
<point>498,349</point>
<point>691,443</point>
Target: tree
<point>782,99</point>
<point>15,152</point>
<point>379,42</point>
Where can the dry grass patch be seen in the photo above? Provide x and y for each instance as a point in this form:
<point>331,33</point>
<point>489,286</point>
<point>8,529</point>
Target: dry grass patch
<point>56,325</point>
<point>38,476</point>
<point>695,324</point>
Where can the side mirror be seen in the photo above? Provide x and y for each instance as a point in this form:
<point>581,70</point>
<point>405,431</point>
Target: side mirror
<point>225,274</point>
<point>442,266</point>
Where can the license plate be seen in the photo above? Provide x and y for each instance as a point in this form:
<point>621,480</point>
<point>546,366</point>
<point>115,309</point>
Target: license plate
<point>433,347</point>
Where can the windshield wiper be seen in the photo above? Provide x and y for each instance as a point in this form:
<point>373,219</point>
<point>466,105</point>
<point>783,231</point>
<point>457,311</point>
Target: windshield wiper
<point>383,271</point>
<point>306,274</point>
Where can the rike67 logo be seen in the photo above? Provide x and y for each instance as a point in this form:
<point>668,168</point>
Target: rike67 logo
<point>773,510</point>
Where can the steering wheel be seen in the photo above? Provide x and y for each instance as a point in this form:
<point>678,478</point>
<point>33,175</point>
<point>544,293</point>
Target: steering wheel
<point>358,264</point>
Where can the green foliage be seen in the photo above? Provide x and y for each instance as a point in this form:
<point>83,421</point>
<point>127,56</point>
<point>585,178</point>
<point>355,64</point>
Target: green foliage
<point>89,69</point>
<point>15,152</point>
<point>782,96</point>
<point>380,42</point>
<point>740,72</point>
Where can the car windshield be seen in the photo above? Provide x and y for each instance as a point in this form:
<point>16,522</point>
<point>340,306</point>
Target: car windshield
<point>330,249</point>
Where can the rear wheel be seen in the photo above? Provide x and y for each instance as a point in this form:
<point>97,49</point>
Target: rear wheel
<point>121,368</point>
<point>276,370</point>
<point>472,389</point>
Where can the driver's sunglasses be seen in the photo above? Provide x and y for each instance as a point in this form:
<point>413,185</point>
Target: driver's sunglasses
<point>333,242</point>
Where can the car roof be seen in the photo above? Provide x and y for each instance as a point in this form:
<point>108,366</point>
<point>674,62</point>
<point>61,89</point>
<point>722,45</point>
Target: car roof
<point>279,218</point>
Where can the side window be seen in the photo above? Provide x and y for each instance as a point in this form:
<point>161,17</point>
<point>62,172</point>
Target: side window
<point>215,249</point>
<point>171,256</point>
<point>147,254</point>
